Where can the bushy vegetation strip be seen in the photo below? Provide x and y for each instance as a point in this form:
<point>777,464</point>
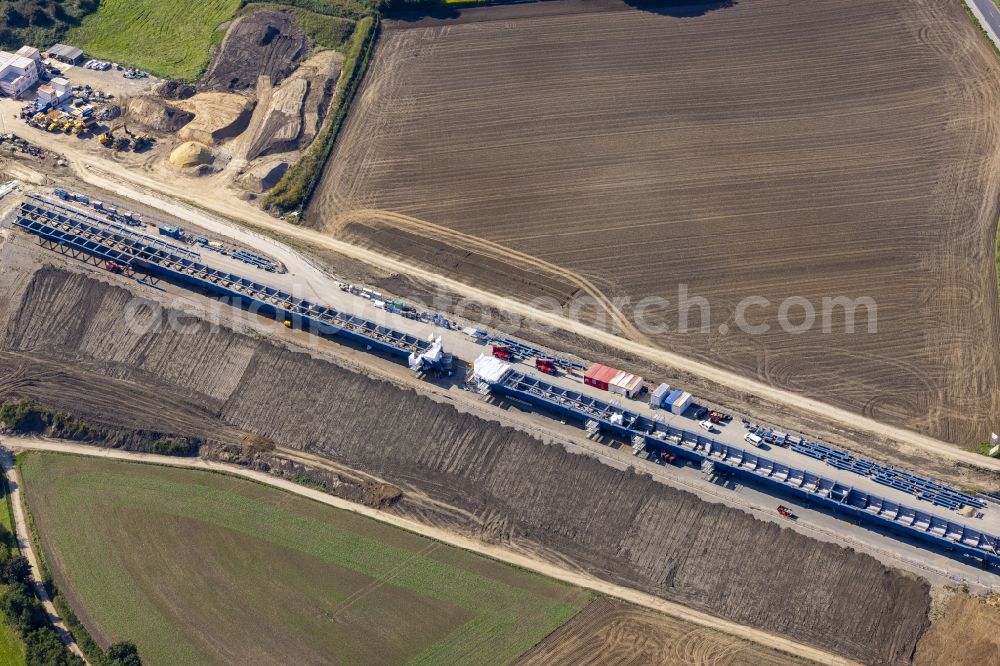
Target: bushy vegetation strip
<point>25,417</point>
<point>40,23</point>
<point>293,191</point>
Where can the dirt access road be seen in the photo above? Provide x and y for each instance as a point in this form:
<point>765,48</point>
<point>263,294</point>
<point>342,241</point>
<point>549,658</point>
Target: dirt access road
<point>27,546</point>
<point>202,204</point>
<point>544,568</point>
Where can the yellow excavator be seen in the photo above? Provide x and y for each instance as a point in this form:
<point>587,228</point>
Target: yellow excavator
<point>108,138</point>
<point>111,141</point>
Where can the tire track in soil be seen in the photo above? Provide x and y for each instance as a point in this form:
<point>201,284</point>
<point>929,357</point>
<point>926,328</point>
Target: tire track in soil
<point>496,251</point>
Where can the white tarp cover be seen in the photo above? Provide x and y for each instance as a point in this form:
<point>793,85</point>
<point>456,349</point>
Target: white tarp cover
<point>490,369</point>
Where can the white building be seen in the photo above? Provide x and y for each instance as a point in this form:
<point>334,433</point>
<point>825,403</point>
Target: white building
<point>55,91</point>
<point>19,71</point>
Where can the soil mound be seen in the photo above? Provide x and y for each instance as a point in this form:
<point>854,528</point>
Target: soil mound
<point>264,43</point>
<point>191,154</point>
<point>175,90</point>
<point>156,114</point>
<point>263,176</point>
<point>217,117</point>
<point>289,115</point>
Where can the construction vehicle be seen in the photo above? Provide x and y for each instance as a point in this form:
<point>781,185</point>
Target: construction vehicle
<point>785,512</point>
<point>142,141</point>
<point>546,365</point>
<point>502,352</point>
<point>114,267</point>
<point>117,142</point>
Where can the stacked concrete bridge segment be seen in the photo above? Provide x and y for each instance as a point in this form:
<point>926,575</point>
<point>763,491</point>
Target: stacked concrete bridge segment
<point>491,480</point>
<point>742,149</point>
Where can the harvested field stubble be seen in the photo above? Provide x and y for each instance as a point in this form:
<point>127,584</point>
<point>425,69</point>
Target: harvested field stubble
<point>505,485</point>
<point>748,150</point>
<point>612,632</point>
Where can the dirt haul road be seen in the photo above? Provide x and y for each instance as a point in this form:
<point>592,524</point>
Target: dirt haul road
<point>190,200</point>
<point>502,554</point>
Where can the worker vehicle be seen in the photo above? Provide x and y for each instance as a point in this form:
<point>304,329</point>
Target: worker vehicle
<point>546,365</point>
<point>785,512</point>
<point>707,425</point>
<point>718,417</point>
<point>751,438</point>
<point>502,352</point>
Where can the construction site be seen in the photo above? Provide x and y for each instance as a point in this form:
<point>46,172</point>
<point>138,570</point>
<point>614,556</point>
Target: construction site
<point>480,431</point>
<point>724,499</point>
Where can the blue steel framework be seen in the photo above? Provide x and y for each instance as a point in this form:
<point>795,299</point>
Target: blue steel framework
<point>522,350</point>
<point>800,484</point>
<point>926,489</point>
<point>78,233</point>
<point>57,212</point>
<point>42,218</point>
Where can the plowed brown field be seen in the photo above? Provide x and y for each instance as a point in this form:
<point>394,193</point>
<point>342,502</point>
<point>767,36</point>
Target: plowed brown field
<point>756,149</point>
<point>612,632</point>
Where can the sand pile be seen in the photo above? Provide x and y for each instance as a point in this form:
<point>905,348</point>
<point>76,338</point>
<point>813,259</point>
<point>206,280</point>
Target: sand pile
<point>191,153</point>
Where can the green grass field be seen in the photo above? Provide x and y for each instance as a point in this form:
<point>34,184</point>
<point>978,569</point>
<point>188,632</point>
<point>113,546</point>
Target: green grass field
<point>197,567</point>
<point>172,38</point>
<point>11,647</point>
<point>169,38</point>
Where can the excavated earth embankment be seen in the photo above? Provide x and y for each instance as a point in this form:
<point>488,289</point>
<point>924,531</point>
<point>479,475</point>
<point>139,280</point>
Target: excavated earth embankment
<point>67,338</point>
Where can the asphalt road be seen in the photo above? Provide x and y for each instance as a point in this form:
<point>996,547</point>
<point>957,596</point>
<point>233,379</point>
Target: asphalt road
<point>989,16</point>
